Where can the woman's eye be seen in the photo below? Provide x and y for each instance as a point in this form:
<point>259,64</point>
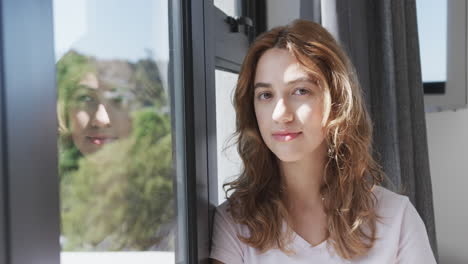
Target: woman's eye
<point>301,91</point>
<point>85,98</point>
<point>264,96</point>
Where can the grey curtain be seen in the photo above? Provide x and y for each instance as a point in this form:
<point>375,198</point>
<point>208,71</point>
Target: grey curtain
<point>381,38</point>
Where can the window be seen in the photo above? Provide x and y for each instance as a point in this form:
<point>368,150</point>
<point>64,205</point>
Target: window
<point>442,38</point>
<point>118,200</point>
<point>432,17</point>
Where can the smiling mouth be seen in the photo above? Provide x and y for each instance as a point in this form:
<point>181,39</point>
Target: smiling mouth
<point>285,137</point>
<point>101,140</point>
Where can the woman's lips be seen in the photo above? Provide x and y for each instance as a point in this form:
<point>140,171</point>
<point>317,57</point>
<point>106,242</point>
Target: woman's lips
<point>284,137</point>
<point>100,140</point>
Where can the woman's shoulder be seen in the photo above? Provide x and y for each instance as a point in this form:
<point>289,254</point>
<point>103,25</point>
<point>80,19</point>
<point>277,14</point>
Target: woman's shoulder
<point>389,202</point>
<point>224,217</point>
<point>400,225</point>
<point>223,207</point>
<point>385,193</point>
<point>223,210</point>
<point>225,244</point>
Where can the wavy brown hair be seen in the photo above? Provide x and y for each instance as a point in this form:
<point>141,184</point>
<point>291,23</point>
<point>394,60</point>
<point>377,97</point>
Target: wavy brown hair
<point>350,172</point>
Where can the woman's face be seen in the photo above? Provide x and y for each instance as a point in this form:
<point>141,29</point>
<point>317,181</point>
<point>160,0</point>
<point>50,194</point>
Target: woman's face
<point>98,115</point>
<point>289,107</point>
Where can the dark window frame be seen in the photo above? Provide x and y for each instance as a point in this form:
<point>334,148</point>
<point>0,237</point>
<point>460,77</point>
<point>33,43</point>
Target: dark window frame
<point>434,87</point>
<point>30,196</point>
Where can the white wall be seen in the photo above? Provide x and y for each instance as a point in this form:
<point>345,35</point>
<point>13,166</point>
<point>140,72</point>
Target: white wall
<point>448,155</point>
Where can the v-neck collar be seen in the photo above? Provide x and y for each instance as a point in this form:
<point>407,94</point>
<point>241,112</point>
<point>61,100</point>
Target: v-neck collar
<point>303,244</point>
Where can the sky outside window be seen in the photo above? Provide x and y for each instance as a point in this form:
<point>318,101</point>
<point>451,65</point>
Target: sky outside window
<point>432,27</point>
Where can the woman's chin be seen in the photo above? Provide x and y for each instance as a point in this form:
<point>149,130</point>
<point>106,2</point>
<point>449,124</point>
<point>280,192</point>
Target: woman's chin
<point>288,157</point>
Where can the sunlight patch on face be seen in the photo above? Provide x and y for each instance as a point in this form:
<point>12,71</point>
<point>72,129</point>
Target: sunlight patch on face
<point>102,115</point>
<point>302,112</point>
<point>326,107</point>
<point>83,118</point>
<point>294,72</point>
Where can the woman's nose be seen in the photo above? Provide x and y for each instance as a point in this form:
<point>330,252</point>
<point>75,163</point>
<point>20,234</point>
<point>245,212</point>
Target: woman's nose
<point>282,113</point>
<point>101,117</point>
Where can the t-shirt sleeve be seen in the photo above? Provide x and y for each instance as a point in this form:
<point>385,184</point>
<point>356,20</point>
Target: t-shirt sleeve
<point>225,245</point>
<point>414,246</point>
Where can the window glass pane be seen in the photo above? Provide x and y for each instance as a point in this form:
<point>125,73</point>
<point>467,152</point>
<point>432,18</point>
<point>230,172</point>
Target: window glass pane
<point>229,162</point>
<point>432,27</point>
<point>231,8</point>
<point>118,132</point>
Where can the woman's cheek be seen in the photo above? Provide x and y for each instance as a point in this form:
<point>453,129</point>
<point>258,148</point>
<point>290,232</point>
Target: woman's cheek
<point>122,118</point>
<point>82,118</point>
<point>79,119</point>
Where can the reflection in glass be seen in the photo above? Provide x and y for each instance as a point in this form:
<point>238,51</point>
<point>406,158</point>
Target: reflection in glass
<point>115,137</point>
<point>115,155</point>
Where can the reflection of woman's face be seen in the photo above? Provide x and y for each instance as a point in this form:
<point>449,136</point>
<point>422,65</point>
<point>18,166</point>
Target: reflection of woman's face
<point>98,115</point>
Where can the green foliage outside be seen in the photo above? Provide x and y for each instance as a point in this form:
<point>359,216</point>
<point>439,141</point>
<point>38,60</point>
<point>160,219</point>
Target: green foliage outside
<point>120,197</point>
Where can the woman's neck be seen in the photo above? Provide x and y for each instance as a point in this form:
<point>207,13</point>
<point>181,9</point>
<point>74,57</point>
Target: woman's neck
<point>301,183</point>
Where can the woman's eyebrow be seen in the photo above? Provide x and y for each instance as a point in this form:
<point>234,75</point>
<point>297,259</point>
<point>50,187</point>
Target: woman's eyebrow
<point>262,85</point>
<point>268,85</point>
<point>83,88</point>
<point>303,79</point>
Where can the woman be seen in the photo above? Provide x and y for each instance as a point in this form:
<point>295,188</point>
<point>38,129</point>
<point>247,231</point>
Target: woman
<point>97,98</point>
<point>309,190</point>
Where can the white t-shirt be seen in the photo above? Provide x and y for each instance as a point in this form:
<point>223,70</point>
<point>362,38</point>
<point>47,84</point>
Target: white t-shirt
<point>401,238</point>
